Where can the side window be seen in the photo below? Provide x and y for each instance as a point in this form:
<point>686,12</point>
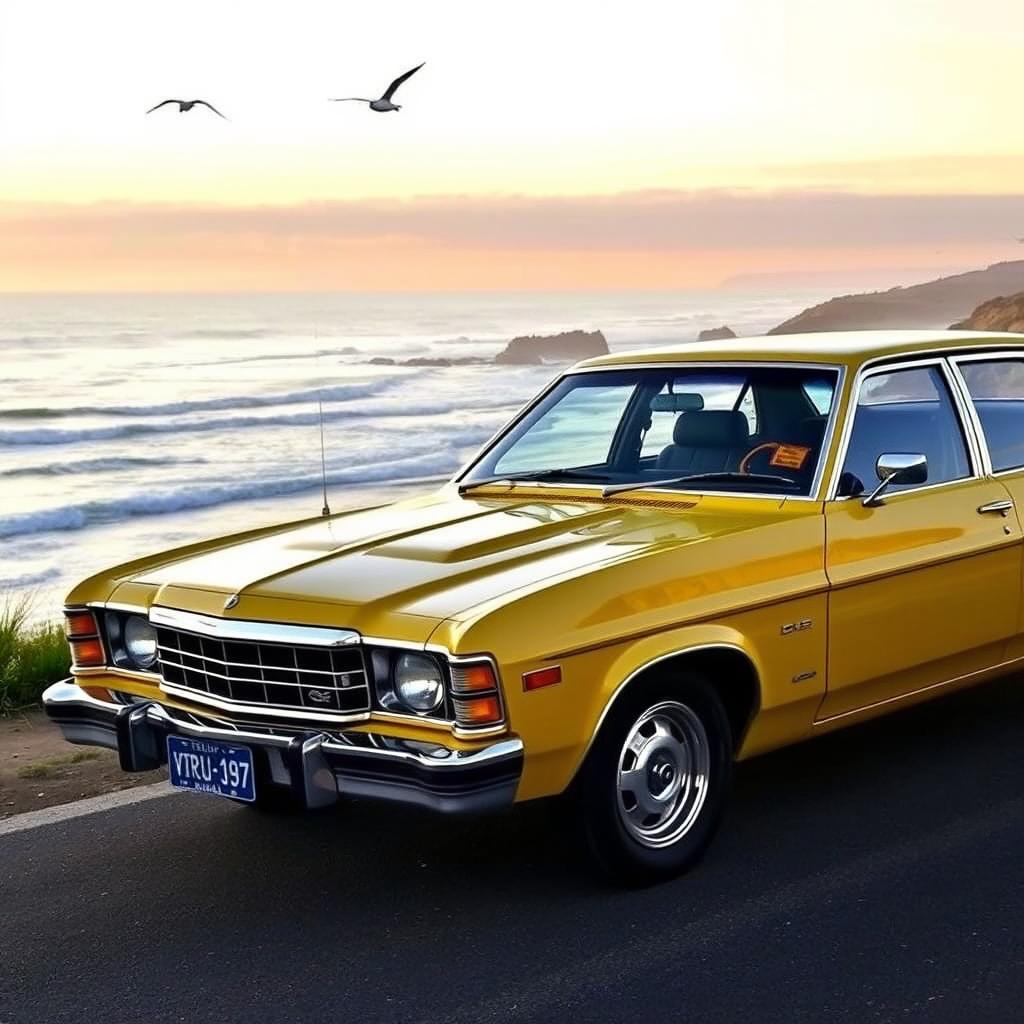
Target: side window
<point>997,390</point>
<point>908,411</point>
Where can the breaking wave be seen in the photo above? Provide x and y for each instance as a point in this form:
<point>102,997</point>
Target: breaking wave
<point>334,393</point>
<point>100,465</point>
<point>194,496</point>
<point>56,435</point>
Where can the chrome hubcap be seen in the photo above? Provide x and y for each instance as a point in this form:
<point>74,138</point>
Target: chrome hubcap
<point>663,774</point>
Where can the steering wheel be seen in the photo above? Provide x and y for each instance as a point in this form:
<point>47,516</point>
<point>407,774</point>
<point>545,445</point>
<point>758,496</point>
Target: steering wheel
<point>744,466</point>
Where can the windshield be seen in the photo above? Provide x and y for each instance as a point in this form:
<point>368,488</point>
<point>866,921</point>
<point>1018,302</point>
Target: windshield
<point>745,429</point>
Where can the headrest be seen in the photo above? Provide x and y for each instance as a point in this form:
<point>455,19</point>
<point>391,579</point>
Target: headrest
<point>711,428</point>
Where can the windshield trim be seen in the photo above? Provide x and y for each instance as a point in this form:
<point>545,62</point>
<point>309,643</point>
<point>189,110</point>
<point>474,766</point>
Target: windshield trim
<point>839,369</point>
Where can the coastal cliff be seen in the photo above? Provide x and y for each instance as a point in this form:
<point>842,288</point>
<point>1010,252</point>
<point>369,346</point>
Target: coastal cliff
<point>933,304</point>
<point>1005,313</point>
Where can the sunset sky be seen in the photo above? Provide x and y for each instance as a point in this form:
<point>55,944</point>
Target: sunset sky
<point>544,145</point>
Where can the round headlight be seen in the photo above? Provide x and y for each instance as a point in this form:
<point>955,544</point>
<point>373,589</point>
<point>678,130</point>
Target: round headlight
<point>418,682</point>
<point>140,641</point>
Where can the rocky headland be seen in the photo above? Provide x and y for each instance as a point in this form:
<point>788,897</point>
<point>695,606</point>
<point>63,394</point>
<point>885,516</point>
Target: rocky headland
<point>933,304</point>
<point>722,333</point>
<point>1005,313</point>
<point>534,349</point>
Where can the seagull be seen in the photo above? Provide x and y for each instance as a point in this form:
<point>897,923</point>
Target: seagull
<point>184,106</point>
<point>384,104</point>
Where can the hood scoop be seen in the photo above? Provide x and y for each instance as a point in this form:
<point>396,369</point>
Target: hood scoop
<point>505,530</point>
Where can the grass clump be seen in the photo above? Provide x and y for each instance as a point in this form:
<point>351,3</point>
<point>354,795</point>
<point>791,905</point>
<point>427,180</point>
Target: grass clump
<point>32,655</point>
<point>49,766</point>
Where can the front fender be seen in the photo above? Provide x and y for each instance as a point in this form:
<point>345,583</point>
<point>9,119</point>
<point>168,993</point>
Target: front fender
<point>558,723</point>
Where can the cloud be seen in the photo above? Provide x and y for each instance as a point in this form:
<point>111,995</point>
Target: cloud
<point>667,221</point>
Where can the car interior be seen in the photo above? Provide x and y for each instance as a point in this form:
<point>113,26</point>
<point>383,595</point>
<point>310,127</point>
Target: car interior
<point>788,431</point>
<point>762,427</point>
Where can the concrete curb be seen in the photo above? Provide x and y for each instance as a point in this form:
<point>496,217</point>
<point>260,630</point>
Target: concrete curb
<point>81,808</point>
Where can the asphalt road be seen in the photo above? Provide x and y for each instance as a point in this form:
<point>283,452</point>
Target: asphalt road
<point>875,875</point>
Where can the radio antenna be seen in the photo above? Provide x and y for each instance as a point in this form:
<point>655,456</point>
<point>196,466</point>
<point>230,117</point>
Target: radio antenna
<point>326,510</point>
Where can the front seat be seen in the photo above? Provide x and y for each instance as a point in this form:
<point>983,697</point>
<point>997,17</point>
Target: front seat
<point>710,441</point>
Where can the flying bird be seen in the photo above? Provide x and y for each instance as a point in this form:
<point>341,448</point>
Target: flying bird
<point>184,106</point>
<point>384,104</point>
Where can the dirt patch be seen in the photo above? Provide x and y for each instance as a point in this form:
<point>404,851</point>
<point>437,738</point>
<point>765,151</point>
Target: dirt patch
<point>39,768</point>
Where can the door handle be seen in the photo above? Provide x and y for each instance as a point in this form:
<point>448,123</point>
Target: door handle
<point>1003,507</point>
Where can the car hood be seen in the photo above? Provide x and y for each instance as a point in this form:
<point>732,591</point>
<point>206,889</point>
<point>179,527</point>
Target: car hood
<point>400,569</point>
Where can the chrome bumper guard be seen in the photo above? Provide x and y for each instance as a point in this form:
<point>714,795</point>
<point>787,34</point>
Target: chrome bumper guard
<point>316,766</point>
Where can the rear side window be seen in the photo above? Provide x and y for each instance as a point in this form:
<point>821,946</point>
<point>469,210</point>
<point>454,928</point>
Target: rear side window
<point>996,388</point>
<point>907,411</point>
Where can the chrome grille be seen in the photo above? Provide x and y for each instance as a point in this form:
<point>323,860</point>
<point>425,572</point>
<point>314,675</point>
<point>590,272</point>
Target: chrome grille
<point>324,680</point>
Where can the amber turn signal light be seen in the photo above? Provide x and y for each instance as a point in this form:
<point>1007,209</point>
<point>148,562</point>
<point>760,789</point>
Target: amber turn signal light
<point>542,677</point>
<point>478,711</point>
<point>86,652</point>
<point>83,638</point>
<point>80,623</point>
<point>477,677</point>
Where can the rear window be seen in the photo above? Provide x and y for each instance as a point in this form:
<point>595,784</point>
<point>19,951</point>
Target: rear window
<point>996,388</point>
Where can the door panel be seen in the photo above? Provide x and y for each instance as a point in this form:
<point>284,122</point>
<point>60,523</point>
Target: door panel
<point>994,382</point>
<point>1014,484</point>
<point>925,589</point>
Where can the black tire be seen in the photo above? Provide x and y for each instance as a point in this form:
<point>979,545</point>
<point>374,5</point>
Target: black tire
<point>681,731</point>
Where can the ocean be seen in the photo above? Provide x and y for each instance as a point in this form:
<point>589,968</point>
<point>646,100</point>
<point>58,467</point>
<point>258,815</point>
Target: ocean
<point>131,423</point>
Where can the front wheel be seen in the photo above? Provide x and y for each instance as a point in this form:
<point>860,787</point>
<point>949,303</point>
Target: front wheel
<point>652,789</point>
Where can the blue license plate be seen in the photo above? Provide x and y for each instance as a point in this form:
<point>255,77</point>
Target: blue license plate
<point>209,767</point>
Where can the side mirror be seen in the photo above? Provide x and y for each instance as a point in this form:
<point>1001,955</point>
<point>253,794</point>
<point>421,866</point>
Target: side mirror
<point>896,468</point>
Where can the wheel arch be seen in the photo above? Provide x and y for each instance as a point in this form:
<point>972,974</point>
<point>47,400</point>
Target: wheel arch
<point>741,695</point>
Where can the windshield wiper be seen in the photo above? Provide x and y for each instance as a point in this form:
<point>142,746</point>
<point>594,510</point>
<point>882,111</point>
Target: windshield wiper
<point>536,474</point>
<point>696,477</point>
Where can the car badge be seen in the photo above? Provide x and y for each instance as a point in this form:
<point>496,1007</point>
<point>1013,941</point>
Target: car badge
<point>230,602</point>
<point>319,696</point>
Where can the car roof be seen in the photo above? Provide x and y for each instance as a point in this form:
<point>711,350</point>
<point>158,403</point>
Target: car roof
<point>849,348</point>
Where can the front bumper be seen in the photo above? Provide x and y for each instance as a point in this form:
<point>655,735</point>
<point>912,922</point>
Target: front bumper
<point>316,766</point>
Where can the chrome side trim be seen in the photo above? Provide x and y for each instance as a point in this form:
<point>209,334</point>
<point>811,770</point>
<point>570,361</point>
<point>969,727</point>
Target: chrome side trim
<point>239,629</point>
<point>992,670</point>
<point>118,606</point>
<point>656,661</point>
